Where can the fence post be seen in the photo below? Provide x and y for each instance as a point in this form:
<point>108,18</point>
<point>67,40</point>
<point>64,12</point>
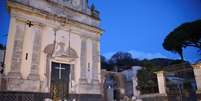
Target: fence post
<point>161,82</point>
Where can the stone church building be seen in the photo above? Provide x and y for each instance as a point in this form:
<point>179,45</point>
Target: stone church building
<point>52,51</point>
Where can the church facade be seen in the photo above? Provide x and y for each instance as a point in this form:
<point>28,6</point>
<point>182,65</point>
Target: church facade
<point>53,48</point>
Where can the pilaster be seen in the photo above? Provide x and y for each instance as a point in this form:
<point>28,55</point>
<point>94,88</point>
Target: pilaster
<point>10,44</point>
<point>83,60</point>
<point>34,72</point>
<point>95,61</point>
<point>15,80</point>
<point>15,70</point>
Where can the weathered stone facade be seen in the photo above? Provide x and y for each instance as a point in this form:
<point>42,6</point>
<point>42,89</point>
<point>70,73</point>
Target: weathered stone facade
<point>46,31</point>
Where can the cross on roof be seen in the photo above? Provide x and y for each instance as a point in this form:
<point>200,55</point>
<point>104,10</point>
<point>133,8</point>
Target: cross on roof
<point>29,23</point>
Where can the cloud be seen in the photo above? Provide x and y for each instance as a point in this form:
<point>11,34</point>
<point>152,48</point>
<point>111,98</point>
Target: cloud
<point>139,54</point>
<point>146,55</point>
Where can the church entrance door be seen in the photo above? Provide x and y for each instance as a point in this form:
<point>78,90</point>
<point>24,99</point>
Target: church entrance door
<point>59,81</point>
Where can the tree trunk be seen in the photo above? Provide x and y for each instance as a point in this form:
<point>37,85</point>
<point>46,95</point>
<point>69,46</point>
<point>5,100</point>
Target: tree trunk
<point>181,54</point>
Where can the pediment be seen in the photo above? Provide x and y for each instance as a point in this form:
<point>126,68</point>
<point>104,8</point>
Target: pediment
<point>69,53</point>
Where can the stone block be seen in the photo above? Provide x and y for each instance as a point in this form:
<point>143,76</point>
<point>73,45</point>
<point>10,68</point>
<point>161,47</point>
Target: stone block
<point>22,85</point>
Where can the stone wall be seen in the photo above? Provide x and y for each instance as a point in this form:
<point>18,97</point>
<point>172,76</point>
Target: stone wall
<point>153,97</point>
<point>163,97</point>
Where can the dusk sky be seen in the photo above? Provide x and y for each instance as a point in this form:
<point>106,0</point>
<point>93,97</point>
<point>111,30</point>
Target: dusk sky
<point>136,26</point>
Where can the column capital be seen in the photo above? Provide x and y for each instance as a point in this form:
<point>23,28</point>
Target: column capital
<point>197,66</point>
<point>161,72</point>
<point>198,91</point>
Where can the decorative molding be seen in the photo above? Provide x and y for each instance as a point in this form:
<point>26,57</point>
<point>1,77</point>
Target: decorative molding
<point>49,49</point>
<point>47,15</point>
<point>160,73</point>
<point>19,17</point>
<point>76,27</point>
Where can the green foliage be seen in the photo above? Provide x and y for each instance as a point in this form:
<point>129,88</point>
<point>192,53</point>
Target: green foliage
<point>187,34</point>
<point>187,84</point>
<point>121,60</point>
<point>147,80</point>
<point>105,64</point>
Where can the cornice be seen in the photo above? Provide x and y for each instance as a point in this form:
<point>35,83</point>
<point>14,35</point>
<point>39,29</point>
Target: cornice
<point>47,16</point>
<point>78,11</point>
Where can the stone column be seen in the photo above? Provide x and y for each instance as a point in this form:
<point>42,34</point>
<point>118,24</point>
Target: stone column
<point>34,72</point>
<point>197,73</point>
<point>161,82</point>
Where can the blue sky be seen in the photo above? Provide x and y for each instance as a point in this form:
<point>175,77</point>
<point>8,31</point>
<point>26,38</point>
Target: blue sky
<point>140,26</point>
<point>136,26</point>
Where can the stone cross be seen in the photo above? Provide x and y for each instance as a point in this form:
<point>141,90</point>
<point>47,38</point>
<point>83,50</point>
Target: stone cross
<point>29,23</point>
<point>60,69</point>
